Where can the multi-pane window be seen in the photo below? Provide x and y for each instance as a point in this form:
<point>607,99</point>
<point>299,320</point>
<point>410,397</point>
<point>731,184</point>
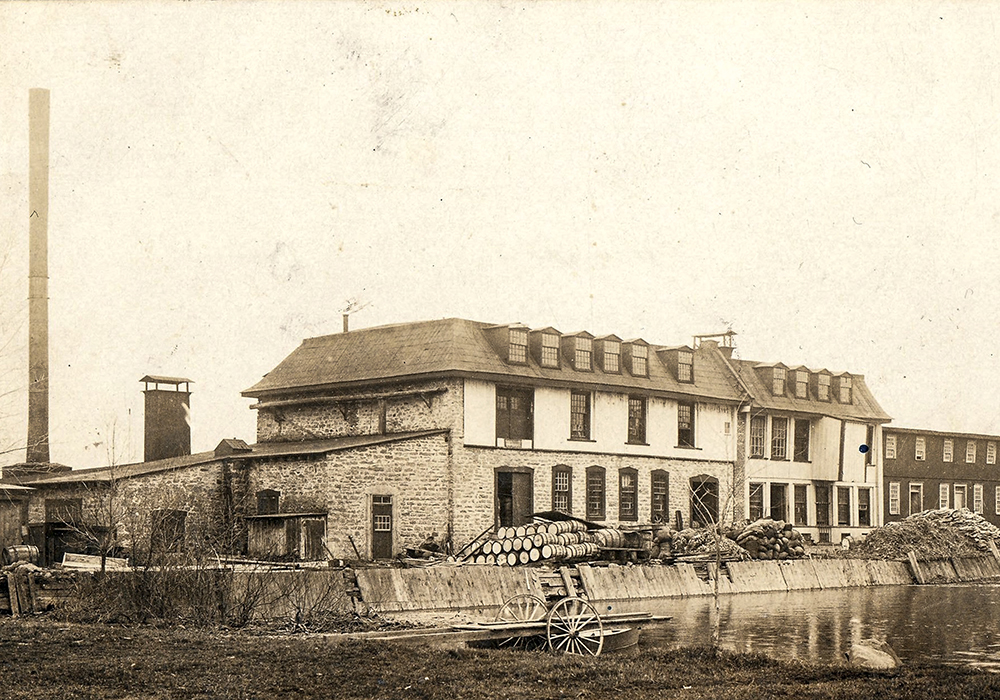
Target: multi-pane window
<point>801,384</point>
<point>916,498</point>
<point>627,495</point>
<point>583,354</point>
<point>550,350</point>
<point>991,453</point>
<point>612,355</point>
<point>948,453</point>
<point>864,507</point>
<point>823,505</point>
<point>579,415</point>
<point>779,438</point>
<point>517,350</point>
<point>660,495</point>
<point>970,452</point>
<point>920,449</point>
<point>685,366</point>
<point>977,498</point>
<point>823,387</point>
<point>562,485</point>
<point>514,413</point>
<point>595,493</point>
<point>757,426</point>
<point>943,496</point>
<point>845,389</point>
<point>801,509</point>
<point>801,440</point>
<point>894,498</point>
<point>756,501</point>
<point>890,447</point>
<point>640,354</point>
<point>637,419</point>
<point>778,382</point>
<point>779,501</point>
<point>996,501</point>
<point>685,424</point>
<point>843,505</point>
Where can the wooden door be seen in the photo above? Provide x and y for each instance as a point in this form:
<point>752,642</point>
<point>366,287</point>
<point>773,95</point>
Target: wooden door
<point>10,523</point>
<point>382,527</point>
<point>959,497</point>
<point>515,498</point>
<point>313,530</point>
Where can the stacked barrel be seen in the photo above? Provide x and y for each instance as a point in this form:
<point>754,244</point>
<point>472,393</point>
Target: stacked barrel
<point>542,541</point>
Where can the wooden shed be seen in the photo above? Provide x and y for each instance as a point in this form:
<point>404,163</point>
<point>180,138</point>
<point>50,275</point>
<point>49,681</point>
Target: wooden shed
<point>287,536</point>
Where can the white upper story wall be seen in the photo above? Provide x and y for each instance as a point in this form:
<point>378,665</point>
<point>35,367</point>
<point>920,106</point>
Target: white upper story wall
<point>608,426</point>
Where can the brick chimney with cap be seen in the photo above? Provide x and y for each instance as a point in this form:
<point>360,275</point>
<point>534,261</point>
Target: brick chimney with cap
<point>168,417</point>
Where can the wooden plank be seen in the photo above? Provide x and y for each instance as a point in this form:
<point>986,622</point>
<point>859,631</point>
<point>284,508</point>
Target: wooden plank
<point>915,567</point>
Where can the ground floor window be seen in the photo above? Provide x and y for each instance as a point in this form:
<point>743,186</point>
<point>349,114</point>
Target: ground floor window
<point>801,507</point>
<point>704,500</point>
<point>822,505</point>
<point>756,501</point>
<point>977,498</point>
<point>660,495</point>
<point>562,493</point>
<point>843,505</point>
<point>595,493</point>
<point>864,507</point>
<point>779,501</point>
<point>627,495</point>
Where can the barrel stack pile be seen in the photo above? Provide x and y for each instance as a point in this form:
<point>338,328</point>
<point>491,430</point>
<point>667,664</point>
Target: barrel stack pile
<point>542,541</point>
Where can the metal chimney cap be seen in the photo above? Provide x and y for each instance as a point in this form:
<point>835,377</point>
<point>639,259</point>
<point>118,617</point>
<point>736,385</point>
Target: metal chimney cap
<point>153,378</point>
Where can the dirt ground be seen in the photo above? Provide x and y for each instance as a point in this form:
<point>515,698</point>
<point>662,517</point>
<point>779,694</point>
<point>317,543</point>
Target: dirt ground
<point>48,659</point>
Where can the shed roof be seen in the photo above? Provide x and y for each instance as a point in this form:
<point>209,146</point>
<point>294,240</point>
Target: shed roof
<point>257,451</point>
<point>459,347</point>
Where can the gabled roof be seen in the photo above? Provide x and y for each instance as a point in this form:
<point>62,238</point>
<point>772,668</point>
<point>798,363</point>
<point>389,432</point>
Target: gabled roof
<point>461,348</point>
<point>262,450</point>
<point>864,406</point>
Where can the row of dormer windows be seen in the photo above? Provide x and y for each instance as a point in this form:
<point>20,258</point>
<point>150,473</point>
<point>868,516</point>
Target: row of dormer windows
<point>947,450</point>
<point>585,353</point>
<point>795,383</point>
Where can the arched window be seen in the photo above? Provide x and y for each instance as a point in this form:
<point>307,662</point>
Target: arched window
<point>628,494</point>
<point>704,499</point>
<point>659,490</point>
<point>562,488</point>
<point>595,493</point>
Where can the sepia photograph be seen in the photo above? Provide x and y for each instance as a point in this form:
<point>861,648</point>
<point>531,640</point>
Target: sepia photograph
<point>488,349</point>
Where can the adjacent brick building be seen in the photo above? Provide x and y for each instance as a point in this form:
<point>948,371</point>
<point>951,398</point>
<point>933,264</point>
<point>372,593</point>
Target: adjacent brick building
<point>927,470</point>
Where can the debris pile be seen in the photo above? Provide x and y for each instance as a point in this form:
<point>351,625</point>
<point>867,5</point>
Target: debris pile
<point>769,539</point>
<point>700,543</point>
<point>932,534</point>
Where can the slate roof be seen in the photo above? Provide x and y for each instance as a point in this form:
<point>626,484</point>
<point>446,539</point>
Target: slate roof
<point>459,347</point>
<point>259,450</point>
<point>864,406</point>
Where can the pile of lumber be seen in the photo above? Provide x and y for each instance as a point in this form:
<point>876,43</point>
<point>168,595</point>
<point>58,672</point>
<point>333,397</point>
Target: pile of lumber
<point>932,534</point>
<point>26,589</point>
<point>769,539</point>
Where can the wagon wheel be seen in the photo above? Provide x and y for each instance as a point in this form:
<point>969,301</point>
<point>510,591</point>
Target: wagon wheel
<point>524,607</point>
<point>574,627</point>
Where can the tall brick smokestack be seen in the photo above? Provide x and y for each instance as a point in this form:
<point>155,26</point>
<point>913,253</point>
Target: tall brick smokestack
<point>38,276</point>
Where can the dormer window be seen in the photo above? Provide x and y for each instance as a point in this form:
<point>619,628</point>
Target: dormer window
<point>550,350</point>
<point>583,354</point>
<point>640,356</point>
<point>845,389</point>
<point>801,384</point>
<point>685,366</point>
<point>612,355</point>
<point>823,387</point>
<point>778,381</point>
<point>517,349</point>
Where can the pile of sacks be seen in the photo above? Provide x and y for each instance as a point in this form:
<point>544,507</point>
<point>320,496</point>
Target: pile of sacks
<point>769,539</point>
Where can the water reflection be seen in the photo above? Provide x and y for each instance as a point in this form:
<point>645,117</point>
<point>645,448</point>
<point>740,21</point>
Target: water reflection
<point>954,624</point>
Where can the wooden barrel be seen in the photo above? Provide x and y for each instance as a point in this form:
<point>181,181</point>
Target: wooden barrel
<point>511,559</point>
<point>523,557</point>
<point>518,544</point>
<point>508,545</point>
<point>534,554</point>
<point>20,552</point>
<point>480,559</point>
<point>519,531</point>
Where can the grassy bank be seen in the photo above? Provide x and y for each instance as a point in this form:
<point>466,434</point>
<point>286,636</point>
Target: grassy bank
<point>44,659</point>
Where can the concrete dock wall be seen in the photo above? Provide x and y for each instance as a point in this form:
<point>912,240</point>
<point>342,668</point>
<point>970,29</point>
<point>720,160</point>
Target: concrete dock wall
<point>471,587</point>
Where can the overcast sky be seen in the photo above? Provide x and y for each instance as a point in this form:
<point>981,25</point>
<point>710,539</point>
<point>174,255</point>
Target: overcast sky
<point>822,178</point>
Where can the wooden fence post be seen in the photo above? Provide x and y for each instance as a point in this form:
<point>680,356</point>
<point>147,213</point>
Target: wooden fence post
<point>917,574</point>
